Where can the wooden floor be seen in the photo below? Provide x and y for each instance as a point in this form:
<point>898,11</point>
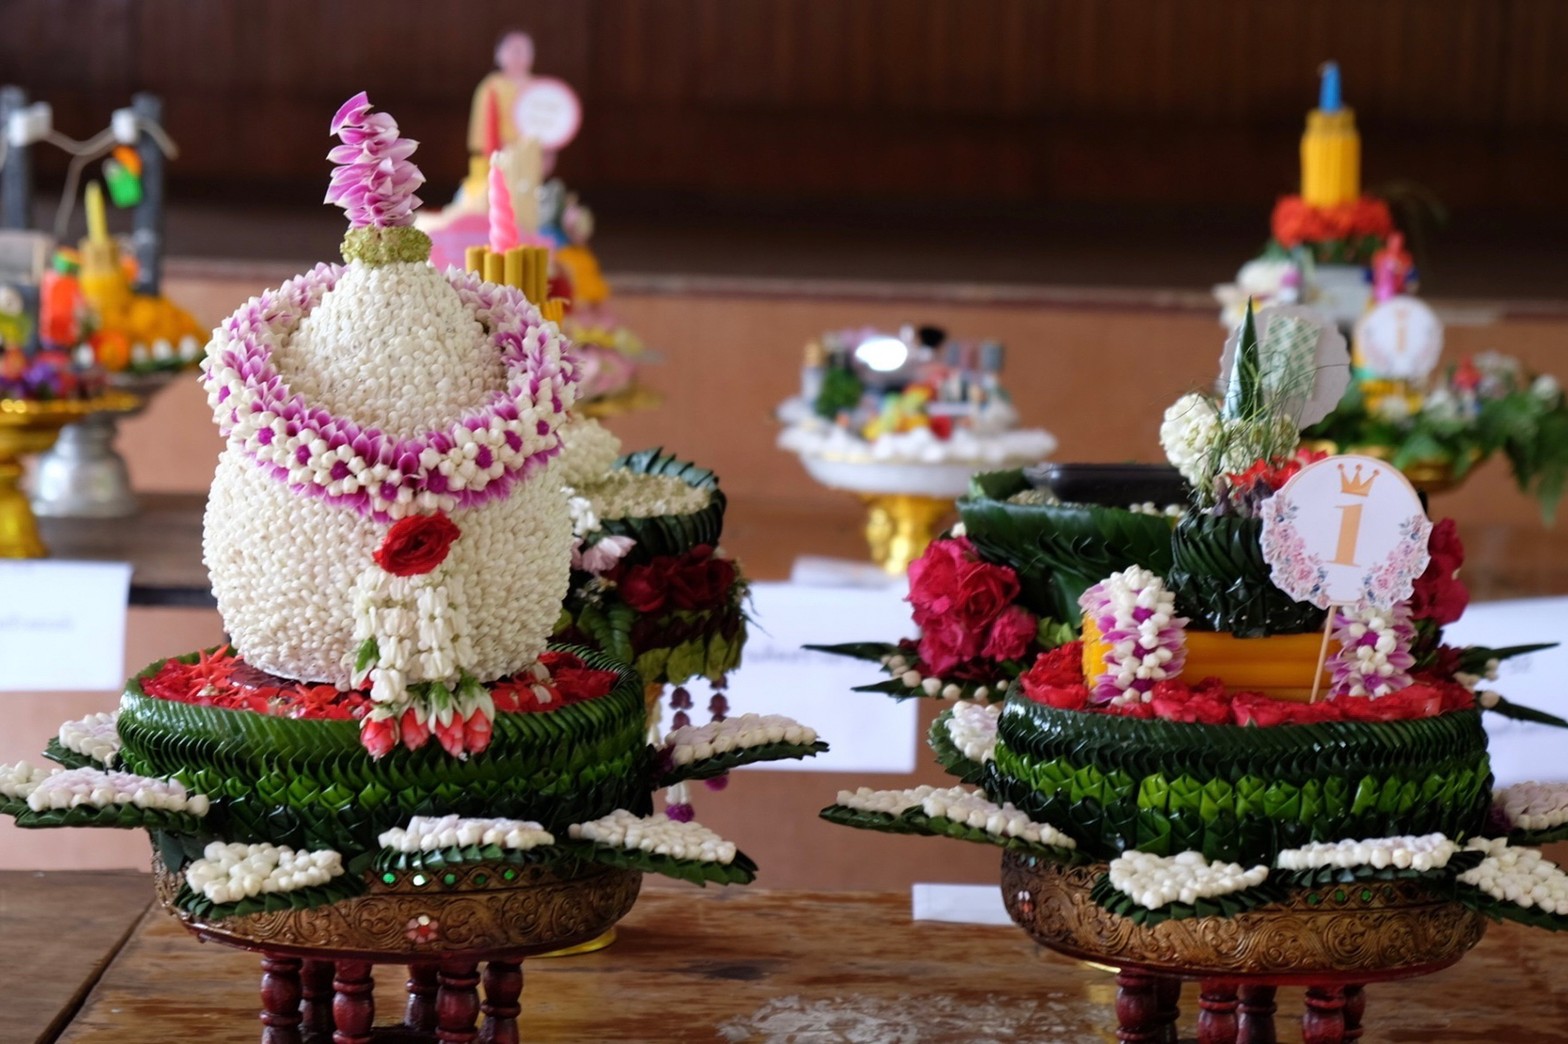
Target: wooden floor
<point>744,965</point>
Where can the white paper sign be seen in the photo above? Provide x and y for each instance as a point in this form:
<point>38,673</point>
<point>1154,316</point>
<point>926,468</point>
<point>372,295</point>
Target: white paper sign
<point>1346,530</point>
<point>548,111</point>
<point>958,904</point>
<point>62,625</point>
<point>1400,338</point>
<point>867,731</point>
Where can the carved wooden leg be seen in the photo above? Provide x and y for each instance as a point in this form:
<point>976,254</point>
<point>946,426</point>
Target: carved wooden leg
<point>1137,1009</point>
<point>279,1000</point>
<point>1167,998</point>
<point>1256,1023</point>
<point>503,986</point>
<point>421,1012</point>
<point>354,1007</point>
<point>1324,1020</point>
<point>1355,1008</point>
<point>316,1012</point>
<point>457,1002</point>
<point>1217,1012</point>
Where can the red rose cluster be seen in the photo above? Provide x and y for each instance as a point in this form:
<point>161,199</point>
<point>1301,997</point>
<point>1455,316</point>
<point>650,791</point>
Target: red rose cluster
<point>697,580</point>
<point>1295,221</point>
<point>963,606</point>
<point>1056,680</point>
<point>1440,596</point>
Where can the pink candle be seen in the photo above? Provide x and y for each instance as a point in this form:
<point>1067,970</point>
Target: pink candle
<point>503,223</point>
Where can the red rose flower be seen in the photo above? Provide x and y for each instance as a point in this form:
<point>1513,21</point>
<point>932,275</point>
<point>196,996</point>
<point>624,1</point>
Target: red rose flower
<point>933,577</point>
<point>378,735</point>
<point>644,587</point>
<point>699,579</point>
<point>1439,595</point>
<point>1011,634</point>
<point>1062,665</point>
<point>984,590</point>
<point>416,544</point>
<point>1130,709</point>
<point>947,641</point>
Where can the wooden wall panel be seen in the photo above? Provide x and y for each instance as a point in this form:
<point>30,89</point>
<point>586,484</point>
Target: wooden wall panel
<point>1143,101</point>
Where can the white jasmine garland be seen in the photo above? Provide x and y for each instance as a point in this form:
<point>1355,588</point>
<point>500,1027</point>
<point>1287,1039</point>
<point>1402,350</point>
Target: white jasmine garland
<point>887,802</point>
<point>94,736</point>
<point>1534,806</point>
<point>972,728</point>
<point>691,743</point>
<point>974,809</point>
<point>1517,875</point>
<point>657,834</point>
<point>421,629</point>
<point>1427,852</point>
<point>228,873</point>
<point>1154,881</point>
<point>429,833</point>
<point>1136,616</point>
<point>21,779</point>
<point>97,788</point>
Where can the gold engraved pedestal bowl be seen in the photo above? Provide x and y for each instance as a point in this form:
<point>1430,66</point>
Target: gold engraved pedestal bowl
<point>1333,940</point>
<point>441,923</point>
<point>28,426</point>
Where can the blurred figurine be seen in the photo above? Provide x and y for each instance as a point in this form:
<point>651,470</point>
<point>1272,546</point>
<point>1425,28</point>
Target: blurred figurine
<point>492,120</point>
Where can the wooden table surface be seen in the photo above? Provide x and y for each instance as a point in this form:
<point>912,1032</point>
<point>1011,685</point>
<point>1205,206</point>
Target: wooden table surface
<point>725,966</point>
<point>58,930</point>
<point>162,542</point>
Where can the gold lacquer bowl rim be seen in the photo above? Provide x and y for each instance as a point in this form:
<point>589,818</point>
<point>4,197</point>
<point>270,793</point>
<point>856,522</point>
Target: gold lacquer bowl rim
<point>24,412</point>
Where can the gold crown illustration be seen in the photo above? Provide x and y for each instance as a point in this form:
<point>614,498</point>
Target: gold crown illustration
<point>1354,484</point>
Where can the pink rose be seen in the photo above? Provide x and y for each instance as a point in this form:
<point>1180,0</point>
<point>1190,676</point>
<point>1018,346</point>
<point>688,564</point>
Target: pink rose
<point>933,577</point>
<point>1011,634</point>
<point>947,641</point>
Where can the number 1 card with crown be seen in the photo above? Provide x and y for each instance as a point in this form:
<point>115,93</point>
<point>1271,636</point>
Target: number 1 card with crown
<point>1346,530</point>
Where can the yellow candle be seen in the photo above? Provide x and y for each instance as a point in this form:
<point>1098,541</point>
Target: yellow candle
<point>514,268</point>
<point>1330,148</point>
<point>474,260</point>
<point>97,223</point>
<point>495,267</point>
